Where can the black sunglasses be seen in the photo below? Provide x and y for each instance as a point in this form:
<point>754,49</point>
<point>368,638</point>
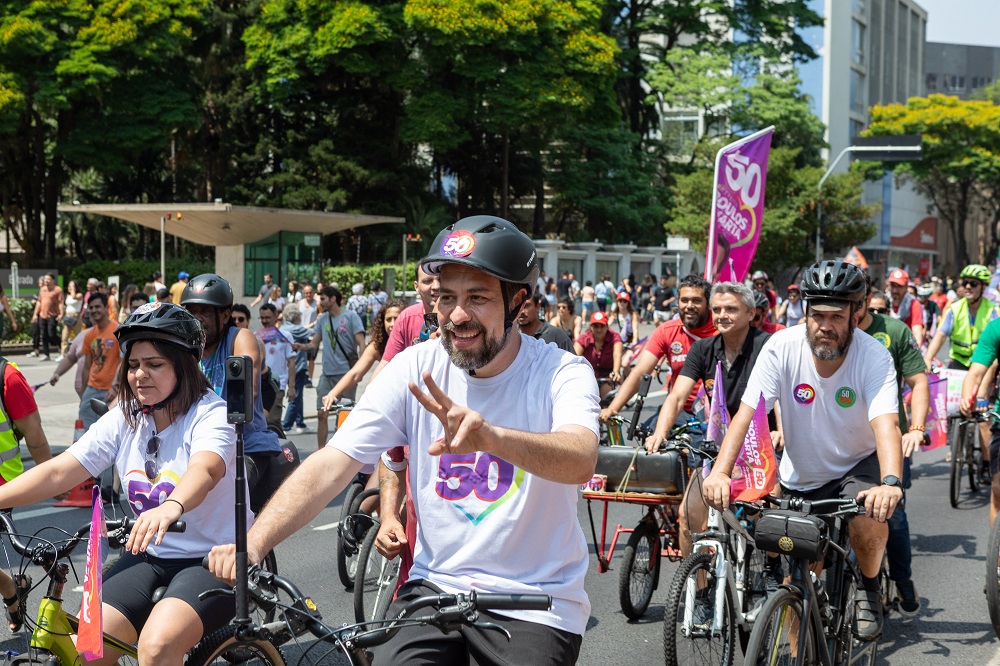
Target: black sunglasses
<point>971,283</point>
<point>878,310</point>
<point>431,321</point>
<point>240,320</point>
<point>152,450</point>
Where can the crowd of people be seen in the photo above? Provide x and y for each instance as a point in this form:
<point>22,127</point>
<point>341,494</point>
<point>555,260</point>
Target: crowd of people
<point>510,387</point>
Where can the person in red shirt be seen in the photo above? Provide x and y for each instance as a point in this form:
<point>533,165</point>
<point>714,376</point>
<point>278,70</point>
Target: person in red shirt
<point>603,350</point>
<point>671,339</point>
<point>905,305</point>
<point>18,408</point>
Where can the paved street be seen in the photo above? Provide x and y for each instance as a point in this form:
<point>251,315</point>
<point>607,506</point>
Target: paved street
<point>948,547</point>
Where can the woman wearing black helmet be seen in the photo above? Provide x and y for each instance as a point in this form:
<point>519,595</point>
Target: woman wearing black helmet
<point>175,453</point>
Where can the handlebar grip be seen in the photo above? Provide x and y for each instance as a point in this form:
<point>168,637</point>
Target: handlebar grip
<point>513,601</point>
<point>179,526</point>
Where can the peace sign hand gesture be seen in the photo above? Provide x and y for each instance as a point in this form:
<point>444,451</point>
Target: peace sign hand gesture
<point>465,431</point>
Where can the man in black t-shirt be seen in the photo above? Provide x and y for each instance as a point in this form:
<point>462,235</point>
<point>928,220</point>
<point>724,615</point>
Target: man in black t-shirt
<point>737,347</point>
<point>563,285</point>
<point>664,301</point>
<point>530,324</point>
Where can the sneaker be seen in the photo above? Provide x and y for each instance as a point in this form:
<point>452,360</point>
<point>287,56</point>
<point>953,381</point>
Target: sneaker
<point>301,429</point>
<point>309,384</point>
<point>774,577</point>
<point>32,354</point>
<point>59,358</point>
<point>907,601</point>
<point>46,358</point>
<point>701,618</point>
<point>867,614</point>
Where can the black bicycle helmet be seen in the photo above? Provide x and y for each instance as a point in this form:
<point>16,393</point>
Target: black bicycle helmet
<point>760,300</point>
<point>162,321</point>
<point>490,244</point>
<point>208,289</point>
<point>833,281</point>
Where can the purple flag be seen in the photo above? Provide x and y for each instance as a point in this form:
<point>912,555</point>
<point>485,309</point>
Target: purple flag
<point>718,414</point>
<point>737,207</point>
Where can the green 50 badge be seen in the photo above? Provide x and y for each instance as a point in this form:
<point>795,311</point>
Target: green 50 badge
<point>846,396</point>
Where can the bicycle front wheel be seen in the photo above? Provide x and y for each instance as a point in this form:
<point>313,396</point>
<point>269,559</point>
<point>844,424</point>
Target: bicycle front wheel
<point>993,576</point>
<point>347,564</point>
<point>375,584</point>
<point>775,637</point>
<point>693,589</point>
<point>973,456</point>
<point>957,439</point>
<point>640,569</point>
<point>222,647</point>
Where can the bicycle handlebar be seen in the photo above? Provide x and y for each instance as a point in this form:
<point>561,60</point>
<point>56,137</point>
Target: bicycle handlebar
<point>44,552</point>
<point>844,505</point>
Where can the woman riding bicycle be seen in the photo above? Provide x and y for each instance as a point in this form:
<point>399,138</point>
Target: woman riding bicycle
<point>603,350</point>
<point>175,452</point>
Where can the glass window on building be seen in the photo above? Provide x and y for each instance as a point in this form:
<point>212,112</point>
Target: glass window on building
<point>856,128</point>
<point>875,59</point>
<point>859,104</point>
<point>574,266</point>
<point>857,43</point>
<point>931,80</point>
<point>286,256</point>
<point>916,57</point>
<point>858,7</point>
<point>902,53</point>
<point>680,131</point>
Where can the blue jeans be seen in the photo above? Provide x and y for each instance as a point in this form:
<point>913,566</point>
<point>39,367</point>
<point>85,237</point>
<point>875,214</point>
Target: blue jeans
<point>294,414</point>
<point>898,547</point>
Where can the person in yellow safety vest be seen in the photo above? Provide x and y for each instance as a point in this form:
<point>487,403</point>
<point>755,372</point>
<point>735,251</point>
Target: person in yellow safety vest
<point>964,320</point>
<point>18,418</point>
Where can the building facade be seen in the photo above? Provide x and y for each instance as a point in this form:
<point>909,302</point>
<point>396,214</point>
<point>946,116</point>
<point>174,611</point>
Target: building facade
<point>959,69</point>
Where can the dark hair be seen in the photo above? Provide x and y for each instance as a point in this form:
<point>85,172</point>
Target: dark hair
<point>537,298</point>
<point>377,329</point>
<point>137,297</point>
<point>693,281</point>
<point>52,275</point>
<point>568,302</point>
<point>162,293</point>
<point>332,292</point>
<point>269,306</point>
<point>191,382</point>
<point>239,307</point>
<point>98,296</point>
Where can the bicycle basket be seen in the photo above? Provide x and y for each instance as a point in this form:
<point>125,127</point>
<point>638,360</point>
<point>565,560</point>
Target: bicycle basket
<point>656,473</point>
<point>791,533</point>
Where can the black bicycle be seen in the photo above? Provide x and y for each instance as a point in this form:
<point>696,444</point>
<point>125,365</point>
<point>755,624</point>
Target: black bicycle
<point>966,456</point>
<point>806,622</point>
<point>352,528</point>
<point>253,644</point>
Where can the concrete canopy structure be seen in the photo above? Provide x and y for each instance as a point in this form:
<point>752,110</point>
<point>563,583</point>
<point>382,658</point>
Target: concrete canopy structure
<point>222,224</point>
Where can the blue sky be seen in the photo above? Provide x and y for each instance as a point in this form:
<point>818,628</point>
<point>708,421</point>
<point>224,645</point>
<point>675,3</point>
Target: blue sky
<point>963,21</point>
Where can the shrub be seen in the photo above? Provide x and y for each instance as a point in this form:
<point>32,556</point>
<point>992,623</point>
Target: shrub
<point>345,276</point>
<point>23,310</point>
<point>136,271</point>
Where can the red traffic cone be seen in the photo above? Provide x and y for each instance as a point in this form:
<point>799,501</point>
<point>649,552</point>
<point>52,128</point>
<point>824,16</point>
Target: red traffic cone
<point>78,430</point>
<point>82,495</point>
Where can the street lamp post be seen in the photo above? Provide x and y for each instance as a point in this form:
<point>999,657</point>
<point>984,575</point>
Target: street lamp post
<point>901,148</point>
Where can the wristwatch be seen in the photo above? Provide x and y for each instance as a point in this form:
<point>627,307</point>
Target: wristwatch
<point>891,480</point>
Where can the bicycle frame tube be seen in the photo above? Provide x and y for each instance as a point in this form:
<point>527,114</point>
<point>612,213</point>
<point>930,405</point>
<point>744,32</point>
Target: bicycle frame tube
<point>52,633</point>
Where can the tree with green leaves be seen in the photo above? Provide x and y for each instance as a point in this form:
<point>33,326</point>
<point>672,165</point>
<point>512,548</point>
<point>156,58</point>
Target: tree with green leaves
<point>960,169</point>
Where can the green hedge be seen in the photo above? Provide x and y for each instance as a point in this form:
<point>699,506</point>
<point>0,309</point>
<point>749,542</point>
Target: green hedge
<point>346,276</point>
<point>23,309</point>
<point>136,271</point>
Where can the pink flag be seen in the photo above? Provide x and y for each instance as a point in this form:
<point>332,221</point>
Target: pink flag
<point>756,469</point>
<point>89,641</point>
<point>937,413</point>
<point>718,415</point>
<point>737,207</point>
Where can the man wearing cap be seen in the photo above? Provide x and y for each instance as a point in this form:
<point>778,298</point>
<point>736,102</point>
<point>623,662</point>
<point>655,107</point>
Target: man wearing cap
<point>839,416</point>
<point>177,288</point>
<point>502,429</point>
<point>760,280</point>
<point>672,340</point>
<point>905,307</point>
<point>964,320</point>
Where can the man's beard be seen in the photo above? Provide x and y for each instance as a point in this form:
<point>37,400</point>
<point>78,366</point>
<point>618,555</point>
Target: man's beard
<point>472,359</point>
<point>827,349</point>
<point>699,319</point>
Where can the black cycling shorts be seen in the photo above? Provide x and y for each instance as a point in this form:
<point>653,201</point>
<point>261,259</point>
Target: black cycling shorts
<point>129,586</point>
<point>864,475</point>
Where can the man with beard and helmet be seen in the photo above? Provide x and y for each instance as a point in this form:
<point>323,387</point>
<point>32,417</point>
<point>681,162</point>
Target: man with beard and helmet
<point>484,396</point>
<point>839,416</point>
<point>672,339</point>
<point>209,298</point>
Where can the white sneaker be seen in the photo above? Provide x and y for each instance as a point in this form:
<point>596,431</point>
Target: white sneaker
<point>59,358</point>
<point>299,430</point>
<point>32,354</point>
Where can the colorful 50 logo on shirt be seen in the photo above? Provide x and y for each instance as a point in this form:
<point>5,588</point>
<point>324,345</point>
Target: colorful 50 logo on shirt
<point>804,394</point>
<point>459,243</point>
<point>491,480</point>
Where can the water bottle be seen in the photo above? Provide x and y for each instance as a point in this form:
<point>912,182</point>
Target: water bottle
<point>822,598</point>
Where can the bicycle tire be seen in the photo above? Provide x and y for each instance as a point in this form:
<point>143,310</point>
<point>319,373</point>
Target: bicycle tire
<point>374,590</point>
<point>222,647</point>
<point>850,650</point>
<point>993,576</point>
<point>640,569</point>
<point>697,649</point>
<point>956,447</point>
<point>774,626</point>
<point>755,586</point>
<point>974,457</point>
<point>346,575</point>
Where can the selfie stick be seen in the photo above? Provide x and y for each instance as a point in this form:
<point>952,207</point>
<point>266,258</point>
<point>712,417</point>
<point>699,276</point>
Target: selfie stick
<point>242,618</point>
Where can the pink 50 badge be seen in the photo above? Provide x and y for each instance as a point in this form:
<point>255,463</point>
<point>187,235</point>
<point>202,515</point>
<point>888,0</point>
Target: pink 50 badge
<point>459,243</point>
<point>804,394</point>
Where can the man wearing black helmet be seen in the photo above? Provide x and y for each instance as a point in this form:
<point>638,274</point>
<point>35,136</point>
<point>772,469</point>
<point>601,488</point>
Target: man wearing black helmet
<point>209,298</point>
<point>830,378</point>
<point>501,429</point>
